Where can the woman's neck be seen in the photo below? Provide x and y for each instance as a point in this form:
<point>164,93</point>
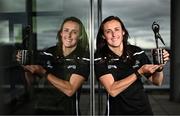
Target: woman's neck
<point>117,50</point>
<point>67,51</point>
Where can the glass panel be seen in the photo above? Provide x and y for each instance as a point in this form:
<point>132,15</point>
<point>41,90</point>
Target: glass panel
<point>138,17</point>
<point>44,5</point>
<point>17,33</point>
<point>46,28</point>
<point>47,23</point>
<point>12,5</point>
<point>138,22</point>
<point>4,33</point>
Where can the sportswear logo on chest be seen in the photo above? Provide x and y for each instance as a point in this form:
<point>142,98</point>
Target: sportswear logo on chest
<point>112,66</point>
<point>71,67</point>
<point>137,64</point>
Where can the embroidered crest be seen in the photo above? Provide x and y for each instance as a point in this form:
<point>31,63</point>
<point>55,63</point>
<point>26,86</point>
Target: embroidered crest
<point>112,66</point>
<point>71,67</point>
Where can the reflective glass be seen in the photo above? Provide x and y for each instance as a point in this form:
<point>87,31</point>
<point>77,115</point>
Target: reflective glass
<point>138,22</point>
<point>4,33</point>
<point>47,5</point>
<point>13,5</point>
<point>47,23</point>
<point>17,33</point>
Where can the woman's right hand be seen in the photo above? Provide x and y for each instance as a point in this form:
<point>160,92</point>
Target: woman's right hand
<point>18,59</point>
<point>149,68</point>
<point>35,69</point>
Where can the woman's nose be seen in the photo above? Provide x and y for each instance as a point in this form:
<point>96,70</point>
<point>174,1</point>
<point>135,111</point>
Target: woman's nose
<point>69,34</point>
<point>113,34</point>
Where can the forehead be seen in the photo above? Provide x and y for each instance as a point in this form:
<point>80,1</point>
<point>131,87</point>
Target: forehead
<point>71,25</point>
<point>112,23</point>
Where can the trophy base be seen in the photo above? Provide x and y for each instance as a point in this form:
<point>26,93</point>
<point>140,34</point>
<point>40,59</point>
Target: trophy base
<point>158,56</point>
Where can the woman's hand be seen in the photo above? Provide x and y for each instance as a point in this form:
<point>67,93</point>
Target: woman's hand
<point>35,69</point>
<point>151,68</point>
<point>18,56</point>
<point>165,56</point>
<point>148,68</point>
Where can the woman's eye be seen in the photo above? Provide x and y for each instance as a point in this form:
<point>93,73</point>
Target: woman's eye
<point>108,31</point>
<point>74,32</point>
<point>65,30</point>
<point>117,29</point>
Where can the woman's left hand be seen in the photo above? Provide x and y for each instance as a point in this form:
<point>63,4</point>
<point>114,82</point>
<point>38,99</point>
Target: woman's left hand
<point>165,56</point>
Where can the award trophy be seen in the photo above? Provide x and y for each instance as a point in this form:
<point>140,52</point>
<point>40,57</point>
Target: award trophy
<point>158,52</point>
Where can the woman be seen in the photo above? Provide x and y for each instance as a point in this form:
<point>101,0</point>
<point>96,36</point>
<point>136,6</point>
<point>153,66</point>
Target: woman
<point>119,67</point>
<point>62,82</point>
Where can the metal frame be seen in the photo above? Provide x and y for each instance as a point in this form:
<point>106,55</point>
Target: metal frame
<point>92,80</point>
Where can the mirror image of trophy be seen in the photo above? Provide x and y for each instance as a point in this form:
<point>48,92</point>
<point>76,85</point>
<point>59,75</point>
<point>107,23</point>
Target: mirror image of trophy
<point>158,52</point>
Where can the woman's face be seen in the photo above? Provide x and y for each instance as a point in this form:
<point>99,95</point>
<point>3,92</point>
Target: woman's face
<point>113,33</point>
<point>70,34</point>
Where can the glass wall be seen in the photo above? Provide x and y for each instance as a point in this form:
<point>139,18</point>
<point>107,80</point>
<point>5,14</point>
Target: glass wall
<point>8,7</point>
<point>13,17</point>
<point>138,17</point>
<point>45,17</point>
<point>47,20</point>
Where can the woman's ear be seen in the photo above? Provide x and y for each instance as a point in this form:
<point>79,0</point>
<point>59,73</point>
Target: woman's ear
<point>60,33</point>
<point>123,33</point>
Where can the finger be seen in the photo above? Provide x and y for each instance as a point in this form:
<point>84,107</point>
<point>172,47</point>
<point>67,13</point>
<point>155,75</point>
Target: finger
<point>165,62</point>
<point>35,68</point>
<point>152,70</point>
<point>150,65</point>
<point>156,67</point>
<point>161,65</point>
<point>166,59</point>
<point>30,68</point>
<point>18,56</point>
<point>26,68</point>
<point>165,54</point>
<point>165,51</point>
